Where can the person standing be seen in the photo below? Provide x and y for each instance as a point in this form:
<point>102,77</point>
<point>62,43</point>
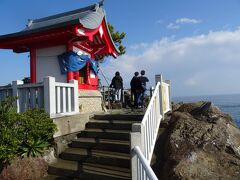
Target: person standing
<point>135,82</point>
<point>143,79</point>
<point>117,84</point>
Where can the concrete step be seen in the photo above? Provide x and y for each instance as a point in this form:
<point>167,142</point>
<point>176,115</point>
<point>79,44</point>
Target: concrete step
<point>53,177</point>
<point>63,168</point>
<point>108,171</point>
<point>112,117</point>
<point>105,134</point>
<point>97,156</point>
<point>115,121</point>
<point>102,144</point>
<point>66,169</point>
<point>109,125</point>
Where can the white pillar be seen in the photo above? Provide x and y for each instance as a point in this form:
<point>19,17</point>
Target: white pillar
<point>159,78</point>
<point>15,93</point>
<point>75,96</point>
<point>49,95</point>
<point>135,137</point>
<point>169,93</point>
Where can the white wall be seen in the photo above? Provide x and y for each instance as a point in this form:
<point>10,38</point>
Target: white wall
<point>47,63</point>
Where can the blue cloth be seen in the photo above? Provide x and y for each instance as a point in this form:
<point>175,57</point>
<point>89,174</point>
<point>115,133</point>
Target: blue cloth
<point>93,66</point>
<point>71,62</point>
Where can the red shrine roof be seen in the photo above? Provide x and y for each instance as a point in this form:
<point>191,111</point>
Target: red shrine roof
<point>85,28</point>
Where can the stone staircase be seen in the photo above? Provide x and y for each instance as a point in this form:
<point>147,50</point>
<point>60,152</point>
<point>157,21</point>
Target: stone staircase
<point>101,151</point>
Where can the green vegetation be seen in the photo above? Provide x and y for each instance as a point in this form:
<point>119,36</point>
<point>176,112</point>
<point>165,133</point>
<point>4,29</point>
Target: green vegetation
<point>33,148</point>
<point>24,134</point>
<point>117,38</point>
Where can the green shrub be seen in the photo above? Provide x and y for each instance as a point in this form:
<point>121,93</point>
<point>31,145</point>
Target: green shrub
<point>9,132</point>
<point>37,125</point>
<point>7,106</point>
<point>33,148</point>
<point>27,133</point>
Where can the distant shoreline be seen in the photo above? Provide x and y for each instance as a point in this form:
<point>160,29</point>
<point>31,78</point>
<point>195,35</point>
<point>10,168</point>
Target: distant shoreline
<point>208,95</point>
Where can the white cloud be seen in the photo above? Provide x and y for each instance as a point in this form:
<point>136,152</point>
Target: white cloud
<point>138,46</point>
<point>188,21</point>
<point>173,26</point>
<point>202,64</point>
<point>182,21</point>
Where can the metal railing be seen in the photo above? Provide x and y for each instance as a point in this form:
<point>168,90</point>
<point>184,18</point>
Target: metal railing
<point>144,134</point>
<point>108,95</point>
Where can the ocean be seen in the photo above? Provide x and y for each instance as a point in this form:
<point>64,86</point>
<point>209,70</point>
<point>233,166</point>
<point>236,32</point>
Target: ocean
<point>227,103</point>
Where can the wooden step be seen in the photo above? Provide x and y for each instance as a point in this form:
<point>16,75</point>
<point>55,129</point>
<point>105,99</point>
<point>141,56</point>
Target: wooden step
<point>102,144</point>
<point>105,134</point>
<point>97,156</point>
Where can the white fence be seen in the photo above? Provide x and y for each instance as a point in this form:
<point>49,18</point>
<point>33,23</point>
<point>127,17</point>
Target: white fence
<point>56,98</point>
<point>144,134</point>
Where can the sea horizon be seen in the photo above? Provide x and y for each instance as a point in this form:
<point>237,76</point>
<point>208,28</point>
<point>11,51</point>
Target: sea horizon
<point>201,95</point>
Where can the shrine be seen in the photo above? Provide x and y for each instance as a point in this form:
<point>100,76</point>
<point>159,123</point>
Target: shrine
<point>66,46</point>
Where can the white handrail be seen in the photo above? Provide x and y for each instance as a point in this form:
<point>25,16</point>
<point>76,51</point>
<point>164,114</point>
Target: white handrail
<point>148,170</point>
<point>150,124</point>
<point>144,134</point>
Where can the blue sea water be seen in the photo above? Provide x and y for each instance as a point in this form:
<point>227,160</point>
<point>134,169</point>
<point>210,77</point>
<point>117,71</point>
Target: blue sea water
<point>227,103</point>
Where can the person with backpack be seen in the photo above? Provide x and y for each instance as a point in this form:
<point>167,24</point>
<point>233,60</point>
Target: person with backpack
<point>135,88</point>
<point>117,84</point>
<point>143,80</point>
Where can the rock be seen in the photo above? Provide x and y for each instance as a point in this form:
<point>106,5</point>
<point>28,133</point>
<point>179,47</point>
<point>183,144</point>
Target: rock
<point>25,168</point>
<point>202,143</point>
<point>116,105</point>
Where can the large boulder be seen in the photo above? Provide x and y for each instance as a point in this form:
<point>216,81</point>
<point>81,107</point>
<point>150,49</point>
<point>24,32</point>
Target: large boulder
<point>202,143</point>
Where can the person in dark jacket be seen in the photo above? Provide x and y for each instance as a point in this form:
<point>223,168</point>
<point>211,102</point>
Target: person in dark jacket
<point>117,84</point>
<point>143,79</point>
<point>135,88</point>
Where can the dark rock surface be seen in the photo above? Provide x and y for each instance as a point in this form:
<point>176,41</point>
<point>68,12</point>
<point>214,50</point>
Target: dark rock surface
<point>200,142</point>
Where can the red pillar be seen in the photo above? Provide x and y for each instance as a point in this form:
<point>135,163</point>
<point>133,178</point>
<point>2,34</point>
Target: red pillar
<point>88,72</point>
<point>70,75</point>
<point>76,75</point>
<point>33,75</point>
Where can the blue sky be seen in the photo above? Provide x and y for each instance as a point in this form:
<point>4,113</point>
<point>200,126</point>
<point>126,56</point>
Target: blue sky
<point>195,44</point>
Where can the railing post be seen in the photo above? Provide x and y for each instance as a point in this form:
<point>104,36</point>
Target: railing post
<point>159,78</point>
<point>75,95</point>
<point>169,93</point>
<point>49,95</point>
<point>15,93</point>
<point>135,141</point>
<point>104,97</point>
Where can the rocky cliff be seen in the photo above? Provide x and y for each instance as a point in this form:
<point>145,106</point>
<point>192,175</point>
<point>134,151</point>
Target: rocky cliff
<point>200,142</point>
